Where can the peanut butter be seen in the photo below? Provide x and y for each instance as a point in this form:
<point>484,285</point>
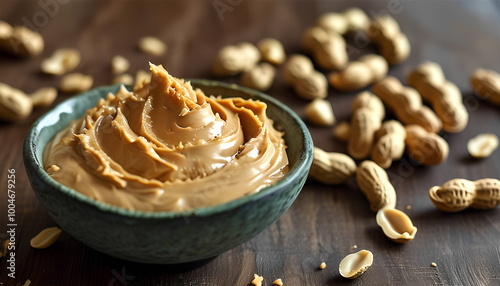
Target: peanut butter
<point>168,147</point>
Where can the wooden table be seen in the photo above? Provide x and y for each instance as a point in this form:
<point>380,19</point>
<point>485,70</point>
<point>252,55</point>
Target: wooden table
<point>326,222</point>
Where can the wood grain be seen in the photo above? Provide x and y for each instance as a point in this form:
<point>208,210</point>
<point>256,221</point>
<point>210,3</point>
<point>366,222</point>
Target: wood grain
<point>326,222</point>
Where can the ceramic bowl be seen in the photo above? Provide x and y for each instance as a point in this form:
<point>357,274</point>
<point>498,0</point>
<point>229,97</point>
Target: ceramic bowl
<point>166,237</point>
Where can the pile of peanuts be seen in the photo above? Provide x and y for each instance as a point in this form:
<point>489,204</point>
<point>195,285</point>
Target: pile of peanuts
<point>19,41</point>
<point>425,108</point>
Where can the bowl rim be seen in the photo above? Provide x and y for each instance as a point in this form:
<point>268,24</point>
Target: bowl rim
<point>30,158</point>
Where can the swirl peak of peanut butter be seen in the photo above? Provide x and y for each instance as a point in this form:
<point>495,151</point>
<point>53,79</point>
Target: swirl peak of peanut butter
<point>168,147</point>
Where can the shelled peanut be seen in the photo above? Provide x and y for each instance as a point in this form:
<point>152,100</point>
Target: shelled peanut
<point>320,112</point>
<point>393,45</point>
<point>374,183</point>
<point>396,225</point>
<point>20,41</point>
<point>331,167</point>
<point>406,104</point>
<point>425,147</point>
<point>444,96</point>
<point>236,59</point>
<point>458,194</point>
<point>299,72</point>
<point>359,74</point>
<point>482,145</point>
<point>486,84</point>
<point>328,48</point>
<point>355,264</point>
<point>368,113</point>
<point>389,143</point>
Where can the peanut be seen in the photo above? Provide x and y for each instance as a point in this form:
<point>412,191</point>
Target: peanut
<point>352,19</point>
<point>444,96</point>
<point>328,49</point>
<point>482,145</point>
<point>374,183</point>
<point>341,131</point>
<point>370,101</point>
<point>486,84</point>
<point>396,225</point>
<point>308,83</point>
<point>389,143</point>
<point>394,46</point>
<point>355,264</point>
<point>45,238</point>
<point>425,147</point>
<point>356,19</point>
<point>458,194</point>
<point>119,64</point>
<point>406,104</point>
<point>368,112</point>
<point>61,61</point>
<point>259,77</point>
<point>235,59</point>
<point>320,112</point>
<point>359,74</point>
<point>43,97</point>
<point>15,105</point>
<point>331,167</point>
<point>20,41</point>
<point>257,280</point>
<point>75,83</point>
<point>272,51</point>
<point>125,78</point>
<point>152,46</point>
<point>363,125</point>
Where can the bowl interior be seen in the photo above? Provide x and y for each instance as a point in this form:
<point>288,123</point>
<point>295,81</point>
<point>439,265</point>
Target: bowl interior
<point>297,138</point>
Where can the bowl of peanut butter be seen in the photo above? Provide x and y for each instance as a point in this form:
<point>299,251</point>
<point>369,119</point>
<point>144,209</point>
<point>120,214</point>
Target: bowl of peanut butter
<point>170,171</point>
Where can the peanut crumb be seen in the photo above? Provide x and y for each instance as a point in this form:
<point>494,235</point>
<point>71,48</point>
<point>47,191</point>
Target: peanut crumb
<point>322,265</point>
<point>257,280</point>
<point>355,246</point>
<point>278,282</point>
<point>408,207</point>
<point>434,264</point>
<point>27,283</point>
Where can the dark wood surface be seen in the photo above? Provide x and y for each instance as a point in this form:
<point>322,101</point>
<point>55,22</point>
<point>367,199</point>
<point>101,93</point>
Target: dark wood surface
<point>326,222</point>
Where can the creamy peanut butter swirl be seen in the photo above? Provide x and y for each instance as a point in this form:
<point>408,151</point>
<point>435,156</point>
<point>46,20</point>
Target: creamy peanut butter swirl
<point>168,147</point>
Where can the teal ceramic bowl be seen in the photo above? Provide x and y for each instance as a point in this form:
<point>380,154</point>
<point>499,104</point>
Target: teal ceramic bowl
<point>166,237</point>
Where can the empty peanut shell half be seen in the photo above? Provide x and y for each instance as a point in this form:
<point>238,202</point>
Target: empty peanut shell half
<point>46,238</point>
<point>482,145</point>
<point>396,225</point>
<point>355,264</point>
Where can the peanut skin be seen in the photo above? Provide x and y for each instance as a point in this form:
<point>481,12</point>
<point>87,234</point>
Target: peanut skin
<point>459,194</point>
